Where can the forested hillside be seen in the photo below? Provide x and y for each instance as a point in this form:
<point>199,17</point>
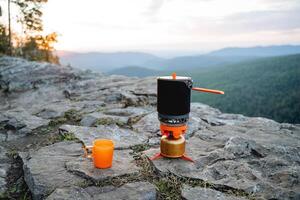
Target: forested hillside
<point>267,87</point>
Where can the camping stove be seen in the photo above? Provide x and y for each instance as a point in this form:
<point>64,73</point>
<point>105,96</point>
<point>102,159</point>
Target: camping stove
<point>173,106</point>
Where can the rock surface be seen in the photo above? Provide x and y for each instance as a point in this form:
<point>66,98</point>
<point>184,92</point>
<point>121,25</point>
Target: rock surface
<point>123,138</point>
<point>129,191</point>
<point>69,193</point>
<point>198,193</point>
<point>118,116</point>
<point>256,156</point>
<point>137,190</point>
<point>44,170</point>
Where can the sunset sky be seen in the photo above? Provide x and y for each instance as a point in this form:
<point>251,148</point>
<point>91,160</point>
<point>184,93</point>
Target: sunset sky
<point>171,25</point>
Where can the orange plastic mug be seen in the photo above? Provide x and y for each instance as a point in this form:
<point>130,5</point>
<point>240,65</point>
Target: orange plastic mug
<point>102,153</point>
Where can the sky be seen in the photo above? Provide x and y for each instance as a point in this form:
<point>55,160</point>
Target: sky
<point>171,25</point>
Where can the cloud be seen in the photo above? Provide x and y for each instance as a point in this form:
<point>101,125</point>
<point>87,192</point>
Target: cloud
<point>154,7</point>
<point>172,24</point>
<point>264,20</point>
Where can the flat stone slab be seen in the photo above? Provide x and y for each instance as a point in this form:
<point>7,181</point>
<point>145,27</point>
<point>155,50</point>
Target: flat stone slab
<point>44,170</point>
<point>123,138</point>
<point>96,118</point>
<point>20,75</point>
<point>120,116</point>
<point>198,193</point>
<point>29,120</point>
<point>129,191</point>
<point>148,123</point>
<point>123,164</point>
<point>243,157</point>
<point>69,193</point>
<point>146,86</point>
<point>215,117</point>
<point>17,123</point>
<point>194,124</point>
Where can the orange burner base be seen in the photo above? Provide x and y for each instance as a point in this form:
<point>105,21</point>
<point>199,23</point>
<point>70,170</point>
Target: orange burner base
<point>175,131</point>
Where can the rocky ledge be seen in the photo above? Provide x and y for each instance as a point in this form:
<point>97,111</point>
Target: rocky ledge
<point>49,112</point>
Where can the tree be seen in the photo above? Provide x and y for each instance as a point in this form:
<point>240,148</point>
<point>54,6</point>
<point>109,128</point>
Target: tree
<point>40,48</point>
<point>31,14</point>
<point>9,29</point>
<point>4,40</point>
<point>32,45</point>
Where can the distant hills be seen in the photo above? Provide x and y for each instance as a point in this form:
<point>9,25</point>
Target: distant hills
<point>109,62</point>
<point>259,51</point>
<point>103,62</point>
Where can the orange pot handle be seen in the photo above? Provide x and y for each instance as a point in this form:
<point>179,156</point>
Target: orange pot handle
<point>208,90</point>
<point>200,89</point>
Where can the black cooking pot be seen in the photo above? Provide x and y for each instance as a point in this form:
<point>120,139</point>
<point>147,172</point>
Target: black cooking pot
<point>174,96</point>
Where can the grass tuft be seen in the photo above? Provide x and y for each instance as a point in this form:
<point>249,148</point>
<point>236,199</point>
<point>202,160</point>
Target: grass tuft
<point>57,121</point>
<point>73,115</point>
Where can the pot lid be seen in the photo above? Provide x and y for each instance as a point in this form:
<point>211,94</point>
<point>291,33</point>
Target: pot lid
<point>178,78</point>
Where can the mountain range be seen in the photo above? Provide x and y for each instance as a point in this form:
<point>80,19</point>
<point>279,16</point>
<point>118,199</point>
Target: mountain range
<point>104,62</point>
<point>109,62</point>
<point>258,51</point>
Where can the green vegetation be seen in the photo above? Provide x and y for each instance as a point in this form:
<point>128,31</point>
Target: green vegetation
<point>57,121</point>
<point>4,41</point>
<point>109,121</point>
<point>267,87</point>
<point>61,136</point>
<point>73,115</point>
<point>67,137</point>
<point>105,121</point>
<point>16,185</point>
<point>140,147</point>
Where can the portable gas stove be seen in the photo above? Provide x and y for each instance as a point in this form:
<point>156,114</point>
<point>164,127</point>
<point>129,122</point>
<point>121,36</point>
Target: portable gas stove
<point>173,106</point>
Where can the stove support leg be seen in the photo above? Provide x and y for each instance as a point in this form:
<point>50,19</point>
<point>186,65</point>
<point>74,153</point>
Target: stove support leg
<point>184,157</point>
<point>156,156</point>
